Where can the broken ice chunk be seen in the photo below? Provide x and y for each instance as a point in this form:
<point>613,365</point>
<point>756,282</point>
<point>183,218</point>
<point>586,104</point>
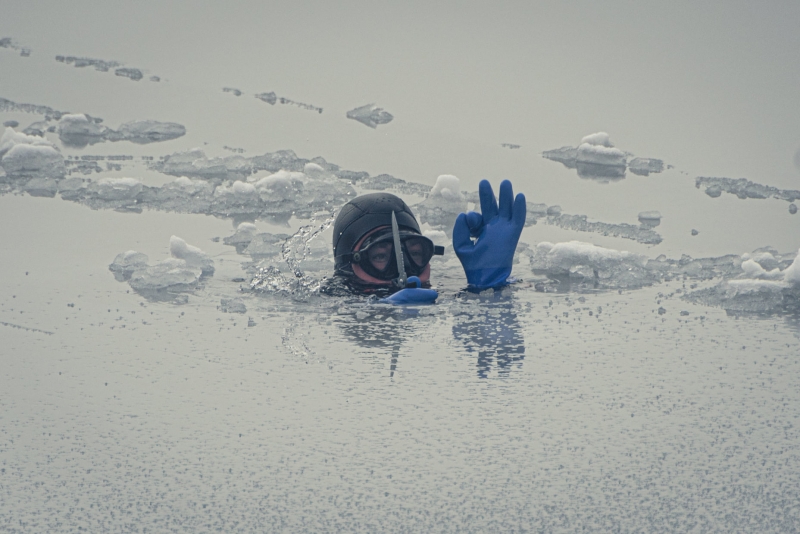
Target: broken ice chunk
<point>587,263</point>
<point>193,256</point>
<point>172,275</point>
<point>598,139</point>
<point>242,237</point>
<point>644,166</point>
<point>117,188</point>
<point>744,189</point>
<point>11,137</point>
<point>133,74</point>
<point>148,131</point>
<point>33,160</point>
<point>565,155</point>
<point>651,219</point>
<point>600,155</point>
<point>41,187</point>
<point>444,203</point>
<point>126,263</point>
<point>370,115</point>
<point>79,130</point>
<point>269,98</point>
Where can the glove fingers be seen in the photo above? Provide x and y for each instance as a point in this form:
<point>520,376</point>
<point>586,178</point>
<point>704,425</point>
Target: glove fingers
<point>520,211</point>
<point>488,202</point>
<point>506,199</point>
<point>461,241</point>
<point>475,223</point>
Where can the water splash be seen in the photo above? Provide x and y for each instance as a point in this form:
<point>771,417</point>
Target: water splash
<point>295,249</point>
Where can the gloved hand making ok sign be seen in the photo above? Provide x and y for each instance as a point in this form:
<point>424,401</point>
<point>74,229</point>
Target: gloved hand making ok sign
<point>487,260</point>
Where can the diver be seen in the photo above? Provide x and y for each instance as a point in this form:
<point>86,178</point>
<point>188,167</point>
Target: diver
<point>379,249</point>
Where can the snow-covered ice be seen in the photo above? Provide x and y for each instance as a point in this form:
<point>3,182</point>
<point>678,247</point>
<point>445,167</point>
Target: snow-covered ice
<point>80,130</point>
<point>597,158</point>
<point>193,256</point>
<point>445,201</point>
<point>757,289</point>
<point>27,160</point>
<point>11,137</point>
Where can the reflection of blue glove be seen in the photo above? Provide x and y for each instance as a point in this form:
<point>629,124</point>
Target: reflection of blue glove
<point>411,295</point>
<point>487,261</point>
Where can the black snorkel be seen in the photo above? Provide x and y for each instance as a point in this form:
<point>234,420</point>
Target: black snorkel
<point>401,279</point>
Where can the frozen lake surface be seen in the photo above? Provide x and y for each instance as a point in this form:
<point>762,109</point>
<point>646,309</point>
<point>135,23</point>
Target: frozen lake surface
<point>170,365</point>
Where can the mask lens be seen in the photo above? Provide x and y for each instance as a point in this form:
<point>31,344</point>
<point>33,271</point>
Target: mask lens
<point>380,256</point>
<point>418,250</point>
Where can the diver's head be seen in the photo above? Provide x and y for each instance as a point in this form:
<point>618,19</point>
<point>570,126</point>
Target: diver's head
<point>363,241</point>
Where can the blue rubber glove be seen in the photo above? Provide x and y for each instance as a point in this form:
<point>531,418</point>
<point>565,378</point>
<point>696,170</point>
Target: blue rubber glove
<point>411,295</point>
<point>487,261</point>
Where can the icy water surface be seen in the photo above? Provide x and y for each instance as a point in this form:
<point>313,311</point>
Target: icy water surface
<point>166,201</point>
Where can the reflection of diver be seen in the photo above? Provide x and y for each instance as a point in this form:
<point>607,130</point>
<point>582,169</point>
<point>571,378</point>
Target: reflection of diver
<point>381,335</point>
<point>494,336</point>
<point>378,247</point>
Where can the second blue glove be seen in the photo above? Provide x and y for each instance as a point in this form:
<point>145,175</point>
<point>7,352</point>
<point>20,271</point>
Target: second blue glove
<point>487,260</point>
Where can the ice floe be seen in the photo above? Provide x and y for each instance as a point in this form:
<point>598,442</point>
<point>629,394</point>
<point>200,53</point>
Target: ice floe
<point>28,160</point>
<point>80,130</point>
<point>242,237</point>
<point>743,188</point>
<point>757,289</point>
<point>641,233</point>
<point>579,265</point>
<point>644,166</point>
<point>597,158</point>
<point>126,263</point>
<point>578,262</point>
<point>11,44</point>
<point>370,115</point>
<point>11,137</point>
<point>193,256</point>
<point>166,279</point>
<point>270,98</point>
<point>650,219</point>
<point>48,112</point>
<point>103,65</point>
<point>149,131</point>
<point>443,204</point>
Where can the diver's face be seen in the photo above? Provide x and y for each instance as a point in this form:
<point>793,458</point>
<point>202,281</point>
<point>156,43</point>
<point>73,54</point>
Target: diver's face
<point>380,255</point>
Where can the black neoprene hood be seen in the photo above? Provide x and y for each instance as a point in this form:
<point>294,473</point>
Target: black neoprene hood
<point>365,213</point>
